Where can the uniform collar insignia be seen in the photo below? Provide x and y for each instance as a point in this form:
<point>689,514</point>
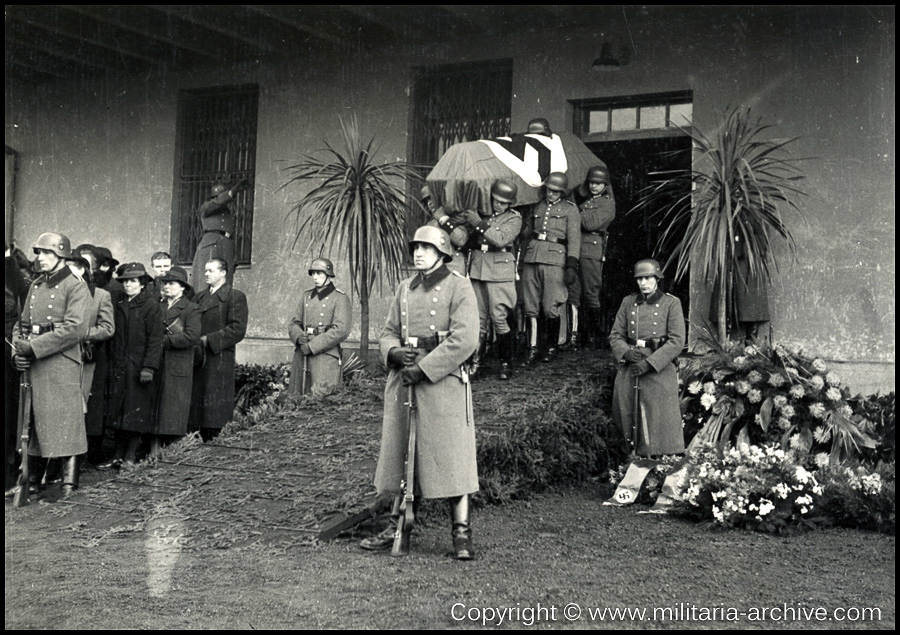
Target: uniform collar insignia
<point>430,280</point>
<point>55,277</point>
<point>654,297</point>
<point>321,294</point>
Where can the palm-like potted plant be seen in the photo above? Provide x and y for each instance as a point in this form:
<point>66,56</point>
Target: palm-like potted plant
<point>727,206</point>
<point>357,209</point>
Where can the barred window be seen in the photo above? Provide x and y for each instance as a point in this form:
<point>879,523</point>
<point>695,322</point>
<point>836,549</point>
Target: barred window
<point>215,141</point>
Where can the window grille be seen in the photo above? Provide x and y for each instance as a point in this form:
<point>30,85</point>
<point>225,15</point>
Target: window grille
<point>456,103</point>
<point>216,141</point>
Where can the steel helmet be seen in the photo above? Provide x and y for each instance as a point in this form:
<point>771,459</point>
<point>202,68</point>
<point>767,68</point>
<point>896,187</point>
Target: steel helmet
<point>217,189</point>
<point>557,181</point>
<point>424,193</point>
<point>647,267</point>
<point>324,265</point>
<point>57,243</point>
<point>539,125</point>
<point>598,174</point>
<point>434,236</point>
<point>504,191</point>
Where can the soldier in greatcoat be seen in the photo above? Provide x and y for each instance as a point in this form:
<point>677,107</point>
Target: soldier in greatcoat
<point>223,323</point>
<point>47,343</point>
<point>553,232</point>
<point>492,269</point>
<point>646,337</point>
<point>454,224</point>
<point>320,323</point>
<point>181,333</point>
<point>218,221</point>
<point>101,328</point>
<point>597,212</point>
<point>136,358</point>
<point>431,329</point>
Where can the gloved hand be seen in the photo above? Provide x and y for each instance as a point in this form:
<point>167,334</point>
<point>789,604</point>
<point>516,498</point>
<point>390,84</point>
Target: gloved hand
<point>23,348</point>
<point>641,368</point>
<point>305,349</point>
<point>471,217</point>
<point>21,363</point>
<point>146,375</point>
<point>439,213</point>
<point>401,356</point>
<point>302,338</point>
<point>570,276</point>
<point>412,375</point>
<point>635,355</point>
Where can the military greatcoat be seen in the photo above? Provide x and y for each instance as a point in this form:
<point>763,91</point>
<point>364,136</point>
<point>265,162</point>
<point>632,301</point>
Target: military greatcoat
<point>492,268</point>
<point>223,320</point>
<point>658,316</point>
<point>181,324</point>
<point>596,215</point>
<point>101,328</point>
<point>218,221</point>
<point>57,304</point>
<point>327,313</point>
<point>137,344</point>
<point>441,307</point>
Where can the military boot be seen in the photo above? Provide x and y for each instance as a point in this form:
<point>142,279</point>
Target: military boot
<point>70,474</point>
<point>36,468</point>
<point>384,540</point>
<point>506,344</point>
<point>477,359</point>
<point>461,532</point>
<point>532,332</point>
<point>551,340</point>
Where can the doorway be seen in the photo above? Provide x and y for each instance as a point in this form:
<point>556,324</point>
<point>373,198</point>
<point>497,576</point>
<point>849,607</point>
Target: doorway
<point>634,235</point>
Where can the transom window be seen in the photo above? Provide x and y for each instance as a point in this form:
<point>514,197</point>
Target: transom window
<point>659,113</point>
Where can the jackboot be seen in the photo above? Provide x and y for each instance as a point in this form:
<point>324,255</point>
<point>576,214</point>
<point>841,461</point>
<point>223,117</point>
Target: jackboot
<point>384,540</point>
<point>477,359</point>
<point>551,339</point>
<point>532,332</point>
<point>461,532</point>
<point>71,467</point>
<point>36,467</point>
<point>506,344</point>
<point>571,342</point>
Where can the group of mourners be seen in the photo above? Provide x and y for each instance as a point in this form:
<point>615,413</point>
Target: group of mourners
<point>104,346</point>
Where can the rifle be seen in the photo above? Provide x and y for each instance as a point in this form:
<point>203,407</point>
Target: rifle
<point>636,419</point>
<point>20,499</point>
<point>305,378</point>
<point>407,519</point>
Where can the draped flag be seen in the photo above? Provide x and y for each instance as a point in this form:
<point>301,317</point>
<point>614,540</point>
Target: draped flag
<point>463,176</point>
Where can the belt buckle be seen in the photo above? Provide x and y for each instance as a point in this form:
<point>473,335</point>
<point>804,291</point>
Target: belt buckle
<point>413,342</point>
<point>35,329</point>
<point>485,247</point>
<point>641,343</point>
<point>542,236</point>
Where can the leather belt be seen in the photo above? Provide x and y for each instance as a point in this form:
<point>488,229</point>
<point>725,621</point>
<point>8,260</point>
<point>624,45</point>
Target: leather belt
<point>36,329</point>
<point>545,238</point>
<point>428,342</point>
<point>653,343</point>
<point>218,231</point>
<point>486,247</point>
<point>602,234</point>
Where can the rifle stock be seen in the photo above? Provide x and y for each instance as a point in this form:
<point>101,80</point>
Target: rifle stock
<point>636,419</point>
<point>20,499</point>
<point>407,519</point>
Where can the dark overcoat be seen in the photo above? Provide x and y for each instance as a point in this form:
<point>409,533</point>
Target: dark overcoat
<point>328,312</point>
<point>181,323</point>
<point>101,328</point>
<point>60,299</point>
<point>660,430</point>
<point>223,320</point>
<point>137,344</point>
<point>441,304</point>
<point>218,221</point>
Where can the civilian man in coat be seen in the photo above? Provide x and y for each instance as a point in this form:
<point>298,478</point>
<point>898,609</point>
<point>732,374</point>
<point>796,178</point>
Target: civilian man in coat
<point>218,220</point>
<point>646,337</point>
<point>431,329</point>
<point>553,232</point>
<point>136,357</point>
<point>320,324</point>
<point>101,328</point>
<point>223,323</point>
<point>181,322</point>
<point>492,269</point>
<point>47,343</point>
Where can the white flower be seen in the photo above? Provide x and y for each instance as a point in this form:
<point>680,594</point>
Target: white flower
<point>779,401</point>
<point>741,387</point>
<point>832,379</point>
<point>787,411</point>
<point>822,434</point>
<point>754,396</point>
<point>817,410</point>
<point>802,475</point>
<point>833,394</point>
<point>739,362</point>
<point>707,400</point>
<point>817,381</point>
<point>751,350</point>
<point>797,391</point>
<point>776,379</point>
<point>695,387</point>
<point>754,377</point>
<point>784,423</point>
<point>709,388</point>
<point>847,411</point>
<point>781,490</point>
<point>818,365</point>
<point>822,460</point>
<point>765,506</point>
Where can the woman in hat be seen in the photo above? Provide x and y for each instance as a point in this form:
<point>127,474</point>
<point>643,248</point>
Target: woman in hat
<point>320,324</point>
<point>137,351</point>
<point>101,327</point>
<point>181,322</point>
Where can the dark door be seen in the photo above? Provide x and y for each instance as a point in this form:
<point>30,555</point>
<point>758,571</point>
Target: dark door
<point>634,235</point>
